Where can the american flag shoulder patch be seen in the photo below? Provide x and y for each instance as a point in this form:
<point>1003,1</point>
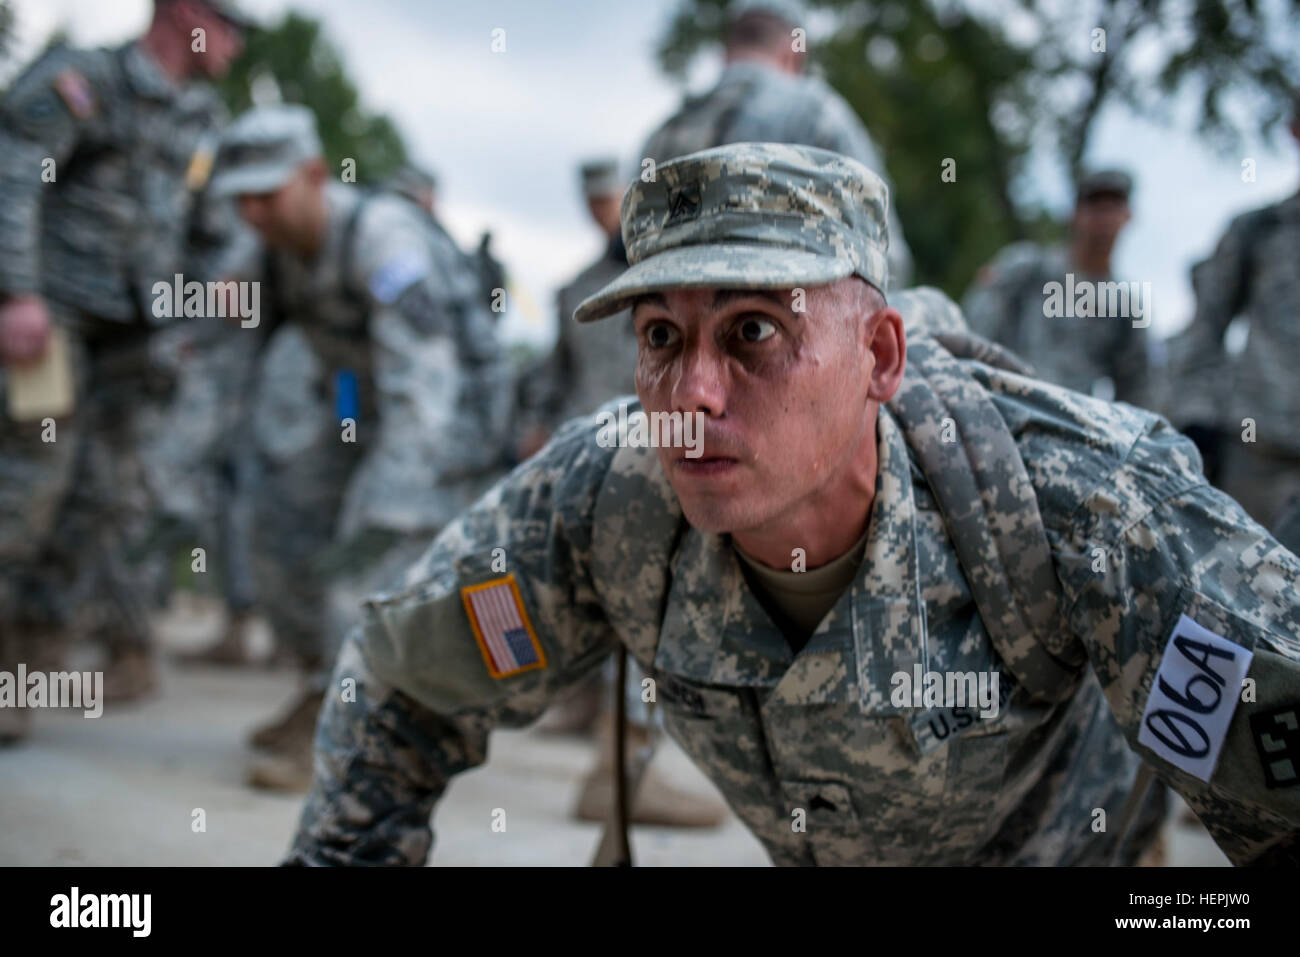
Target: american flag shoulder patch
<point>505,635</point>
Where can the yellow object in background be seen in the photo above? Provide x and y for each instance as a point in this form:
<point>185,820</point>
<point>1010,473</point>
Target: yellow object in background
<point>43,388</point>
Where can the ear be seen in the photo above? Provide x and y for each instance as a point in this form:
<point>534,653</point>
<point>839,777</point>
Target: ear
<point>888,344</point>
<point>316,171</point>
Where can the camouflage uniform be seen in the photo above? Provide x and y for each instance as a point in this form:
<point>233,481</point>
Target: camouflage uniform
<point>759,104</point>
<point>392,308</point>
<point>595,542</point>
<point>1252,273</point>
<point>1007,305</point>
<point>130,151</point>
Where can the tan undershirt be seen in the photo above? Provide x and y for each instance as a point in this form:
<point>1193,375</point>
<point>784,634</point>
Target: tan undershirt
<point>798,601</point>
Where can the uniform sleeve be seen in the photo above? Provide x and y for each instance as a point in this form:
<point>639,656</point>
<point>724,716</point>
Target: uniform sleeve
<point>443,390</point>
<point>1219,284</point>
<point>991,304</point>
<point>1190,612</point>
<point>1129,361</point>
<point>496,619</point>
<point>41,120</point>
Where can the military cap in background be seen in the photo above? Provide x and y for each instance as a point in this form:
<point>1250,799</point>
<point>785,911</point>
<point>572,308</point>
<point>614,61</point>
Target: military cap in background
<point>262,149</point>
<point>750,216</point>
<point>787,11</point>
<point>600,177</point>
<point>1104,181</point>
<point>228,10</point>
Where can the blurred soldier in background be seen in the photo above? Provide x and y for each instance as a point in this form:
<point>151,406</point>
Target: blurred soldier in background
<point>1241,411</point>
<point>383,405</point>
<point>589,366</point>
<point>1009,301</point>
<point>106,155</point>
<point>764,96</point>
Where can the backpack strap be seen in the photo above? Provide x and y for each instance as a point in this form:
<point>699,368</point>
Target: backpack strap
<point>979,482</point>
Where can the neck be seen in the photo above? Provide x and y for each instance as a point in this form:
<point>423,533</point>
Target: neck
<point>1092,258</point>
<point>828,522</point>
<point>170,57</point>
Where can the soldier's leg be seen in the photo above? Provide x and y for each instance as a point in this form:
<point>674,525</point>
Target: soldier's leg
<point>37,460</point>
<point>1263,479</point>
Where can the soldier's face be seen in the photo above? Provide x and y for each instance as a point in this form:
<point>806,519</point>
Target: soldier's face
<point>222,40</point>
<point>288,217</point>
<point>1099,219</point>
<point>788,397</point>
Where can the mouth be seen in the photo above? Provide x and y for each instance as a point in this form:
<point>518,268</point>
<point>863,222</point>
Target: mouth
<point>708,466</point>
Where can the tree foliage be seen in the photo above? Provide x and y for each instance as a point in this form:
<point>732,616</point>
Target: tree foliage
<point>982,84</point>
<point>297,59</point>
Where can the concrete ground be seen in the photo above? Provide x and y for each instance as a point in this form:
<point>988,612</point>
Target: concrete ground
<point>124,789</point>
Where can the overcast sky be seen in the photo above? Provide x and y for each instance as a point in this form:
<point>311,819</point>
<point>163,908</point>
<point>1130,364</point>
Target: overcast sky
<point>578,78</point>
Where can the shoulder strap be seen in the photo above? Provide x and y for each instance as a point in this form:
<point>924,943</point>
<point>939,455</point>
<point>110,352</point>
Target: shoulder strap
<point>356,296</point>
<point>978,481</point>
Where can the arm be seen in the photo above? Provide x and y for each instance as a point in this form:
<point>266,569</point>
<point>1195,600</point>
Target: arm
<point>425,698</point>
<point>443,391</point>
<point>1220,287</point>
<point>1173,546</point>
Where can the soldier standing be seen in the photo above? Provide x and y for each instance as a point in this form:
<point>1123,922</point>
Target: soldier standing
<point>763,96</point>
<point>1010,302</point>
<point>383,402</point>
<point>1242,410</point>
<point>106,155</point>
<point>1114,602</point>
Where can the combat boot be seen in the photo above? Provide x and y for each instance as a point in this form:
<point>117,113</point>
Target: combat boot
<point>656,802</point>
<point>577,713</point>
<point>280,772</point>
<point>296,725</point>
<point>130,674</point>
<point>233,647</point>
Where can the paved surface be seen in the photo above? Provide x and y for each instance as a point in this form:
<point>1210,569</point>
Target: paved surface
<point>124,788</point>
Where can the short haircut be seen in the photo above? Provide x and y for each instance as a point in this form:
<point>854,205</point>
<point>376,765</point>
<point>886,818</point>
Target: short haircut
<point>756,30</point>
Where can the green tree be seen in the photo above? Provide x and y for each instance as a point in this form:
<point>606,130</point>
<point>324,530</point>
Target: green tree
<point>933,80</point>
<point>295,57</point>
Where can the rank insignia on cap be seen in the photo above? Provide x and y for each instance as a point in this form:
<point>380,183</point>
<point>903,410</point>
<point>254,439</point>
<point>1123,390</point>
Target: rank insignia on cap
<point>1277,738</point>
<point>75,91</point>
<point>683,204</point>
<point>501,627</point>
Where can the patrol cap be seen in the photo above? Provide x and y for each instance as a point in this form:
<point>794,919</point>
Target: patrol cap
<point>749,216</point>
<point>1104,181</point>
<point>600,178</point>
<point>787,11</point>
<point>228,10</point>
<point>262,149</point>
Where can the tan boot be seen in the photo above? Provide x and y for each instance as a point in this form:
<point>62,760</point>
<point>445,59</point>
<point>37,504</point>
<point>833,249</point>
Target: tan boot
<point>232,649</point>
<point>656,802</point>
<point>295,726</point>
<point>280,772</point>
<point>577,713</point>
<point>130,675</point>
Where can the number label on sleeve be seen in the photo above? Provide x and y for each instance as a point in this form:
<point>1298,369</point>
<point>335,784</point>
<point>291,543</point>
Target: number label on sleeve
<point>1193,699</point>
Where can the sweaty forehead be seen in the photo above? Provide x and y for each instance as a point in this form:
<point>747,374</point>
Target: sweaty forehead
<point>715,299</point>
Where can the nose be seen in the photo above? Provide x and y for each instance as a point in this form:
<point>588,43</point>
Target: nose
<point>701,381</point>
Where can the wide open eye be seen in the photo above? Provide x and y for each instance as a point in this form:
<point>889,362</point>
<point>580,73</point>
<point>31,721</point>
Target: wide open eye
<point>756,329</point>
<point>660,335</point>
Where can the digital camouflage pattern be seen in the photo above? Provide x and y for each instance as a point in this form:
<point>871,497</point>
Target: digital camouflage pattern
<point>1054,540</point>
<point>754,103</point>
<point>750,216</point>
<point>601,553</point>
<point>398,311</point>
<point>590,364</point>
<point>101,195</point>
<point>1007,304</point>
<point>1252,273</point>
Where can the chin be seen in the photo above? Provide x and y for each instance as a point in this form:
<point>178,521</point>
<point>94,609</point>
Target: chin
<point>716,516</point>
